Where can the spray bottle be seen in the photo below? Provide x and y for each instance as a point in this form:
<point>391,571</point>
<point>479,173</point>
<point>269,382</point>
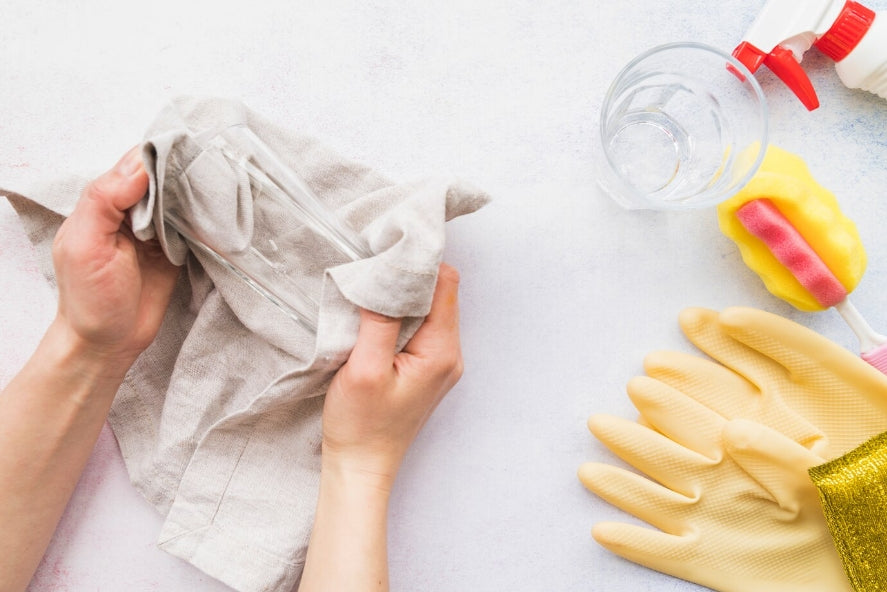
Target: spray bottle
<point>854,36</point>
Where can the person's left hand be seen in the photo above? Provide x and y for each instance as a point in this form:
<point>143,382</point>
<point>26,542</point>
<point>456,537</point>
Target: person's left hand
<point>380,399</point>
<point>113,288</point>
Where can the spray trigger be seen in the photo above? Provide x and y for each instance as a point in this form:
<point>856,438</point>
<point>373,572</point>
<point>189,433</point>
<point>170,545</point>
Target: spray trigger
<point>781,61</point>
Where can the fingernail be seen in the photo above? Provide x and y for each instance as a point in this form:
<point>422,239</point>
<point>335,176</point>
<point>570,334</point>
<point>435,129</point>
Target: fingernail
<point>131,163</point>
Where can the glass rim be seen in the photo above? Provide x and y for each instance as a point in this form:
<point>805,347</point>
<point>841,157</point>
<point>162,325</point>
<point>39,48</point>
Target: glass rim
<point>708,196</point>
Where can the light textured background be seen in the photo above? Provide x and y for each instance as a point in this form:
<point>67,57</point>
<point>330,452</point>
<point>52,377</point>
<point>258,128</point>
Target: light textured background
<point>563,292</point>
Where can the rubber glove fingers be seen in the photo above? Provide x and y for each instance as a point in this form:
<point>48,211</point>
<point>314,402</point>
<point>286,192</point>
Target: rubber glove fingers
<point>801,351</point>
<point>745,522</point>
<point>636,495</point>
<point>778,464</point>
<point>703,328</point>
<point>722,449</point>
<point>830,386</point>
<point>710,383</point>
<point>658,550</point>
<point>657,456</point>
<point>792,367</point>
<point>675,415</point>
<point>804,353</point>
<point>728,394</point>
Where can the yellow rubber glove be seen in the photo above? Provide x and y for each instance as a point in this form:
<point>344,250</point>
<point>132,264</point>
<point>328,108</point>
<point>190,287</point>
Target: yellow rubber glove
<point>735,513</point>
<point>783,365</point>
<point>811,400</point>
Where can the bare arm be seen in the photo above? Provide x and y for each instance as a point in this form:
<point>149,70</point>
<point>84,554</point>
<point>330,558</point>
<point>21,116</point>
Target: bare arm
<point>113,293</point>
<point>373,411</point>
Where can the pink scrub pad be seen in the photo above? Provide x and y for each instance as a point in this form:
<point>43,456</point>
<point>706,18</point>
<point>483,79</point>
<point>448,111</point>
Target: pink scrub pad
<point>764,220</point>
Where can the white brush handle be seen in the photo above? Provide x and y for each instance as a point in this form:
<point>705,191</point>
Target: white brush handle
<point>868,338</point>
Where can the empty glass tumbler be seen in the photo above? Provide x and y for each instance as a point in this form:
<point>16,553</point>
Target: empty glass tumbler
<point>683,125</point>
<point>254,225</point>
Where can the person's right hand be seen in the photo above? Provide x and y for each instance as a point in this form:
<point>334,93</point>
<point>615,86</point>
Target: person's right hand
<point>113,288</point>
<point>379,400</point>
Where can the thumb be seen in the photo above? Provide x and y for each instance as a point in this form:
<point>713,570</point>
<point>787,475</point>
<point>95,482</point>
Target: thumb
<point>776,462</point>
<point>376,340</point>
<point>106,199</point>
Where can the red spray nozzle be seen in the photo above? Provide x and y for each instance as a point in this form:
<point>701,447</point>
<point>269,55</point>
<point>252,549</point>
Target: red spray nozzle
<point>833,27</point>
<point>781,61</point>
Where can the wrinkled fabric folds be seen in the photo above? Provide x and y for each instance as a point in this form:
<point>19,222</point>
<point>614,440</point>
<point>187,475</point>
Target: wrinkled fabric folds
<point>219,419</point>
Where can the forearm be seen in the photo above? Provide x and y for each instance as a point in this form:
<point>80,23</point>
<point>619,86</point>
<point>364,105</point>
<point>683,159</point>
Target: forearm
<point>349,547</point>
<point>376,404</point>
<point>50,416</point>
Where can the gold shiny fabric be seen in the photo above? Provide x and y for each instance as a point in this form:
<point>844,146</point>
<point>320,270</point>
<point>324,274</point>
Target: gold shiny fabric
<point>853,491</point>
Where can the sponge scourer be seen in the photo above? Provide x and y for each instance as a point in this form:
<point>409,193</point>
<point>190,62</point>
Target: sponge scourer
<point>791,232</point>
<point>761,218</point>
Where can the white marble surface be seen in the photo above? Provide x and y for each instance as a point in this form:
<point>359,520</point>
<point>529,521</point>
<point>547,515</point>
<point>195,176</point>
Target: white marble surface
<point>563,292</point>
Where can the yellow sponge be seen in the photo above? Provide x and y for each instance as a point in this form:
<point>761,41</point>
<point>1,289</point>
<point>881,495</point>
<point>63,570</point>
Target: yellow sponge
<point>812,210</point>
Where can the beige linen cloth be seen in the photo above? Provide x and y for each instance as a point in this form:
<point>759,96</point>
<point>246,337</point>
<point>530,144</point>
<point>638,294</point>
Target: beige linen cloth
<point>219,420</point>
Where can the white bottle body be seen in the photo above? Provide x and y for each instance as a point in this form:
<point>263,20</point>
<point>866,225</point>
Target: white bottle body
<point>866,66</point>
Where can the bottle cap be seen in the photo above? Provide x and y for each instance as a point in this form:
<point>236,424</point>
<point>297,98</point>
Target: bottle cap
<point>846,32</point>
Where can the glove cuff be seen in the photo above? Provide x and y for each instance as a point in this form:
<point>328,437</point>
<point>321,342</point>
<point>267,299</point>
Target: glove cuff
<point>853,492</point>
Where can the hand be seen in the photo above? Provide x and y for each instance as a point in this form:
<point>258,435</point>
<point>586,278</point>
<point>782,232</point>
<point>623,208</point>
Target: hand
<point>113,292</point>
<point>379,400</point>
<point>113,289</point>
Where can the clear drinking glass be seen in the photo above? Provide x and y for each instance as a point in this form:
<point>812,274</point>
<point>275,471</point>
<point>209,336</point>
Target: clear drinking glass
<point>683,125</point>
<point>260,251</point>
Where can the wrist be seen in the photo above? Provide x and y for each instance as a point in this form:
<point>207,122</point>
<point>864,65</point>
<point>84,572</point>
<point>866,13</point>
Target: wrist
<point>348,548</point>
<point>74,377</point>
<point>87,360</point>
<point>371,474</point>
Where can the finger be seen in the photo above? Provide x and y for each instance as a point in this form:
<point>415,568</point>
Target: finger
<point>704,329</point>
<point>159,276</point>
<point>654,504</point>
<point>723,391</point>
<point>440,330</point>
<point>650,452</point>
<point>679,417</point>
<point>773,460</point>
<point>103,204</point>
<point>666,553</point>
<point>376,341</point>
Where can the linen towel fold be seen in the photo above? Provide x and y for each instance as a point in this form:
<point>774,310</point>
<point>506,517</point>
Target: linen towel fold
<point>219,419</point>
